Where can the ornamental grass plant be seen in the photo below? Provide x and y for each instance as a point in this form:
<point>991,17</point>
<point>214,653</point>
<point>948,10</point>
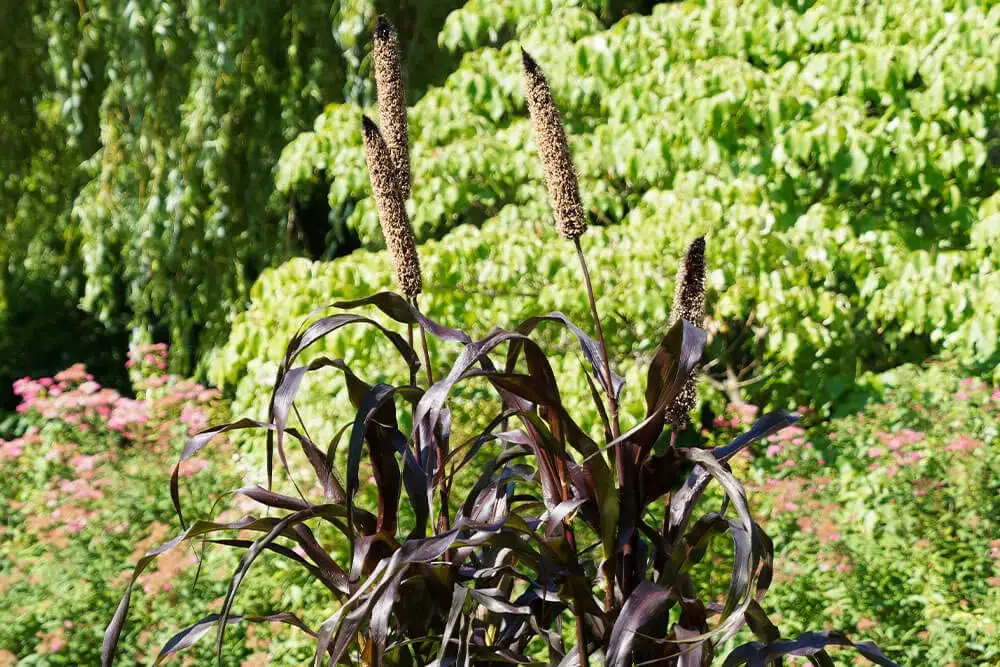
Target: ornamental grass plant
<point>529,541</point>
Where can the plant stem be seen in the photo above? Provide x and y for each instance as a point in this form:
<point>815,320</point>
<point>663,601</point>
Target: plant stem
<point>444,516</point>
<point>581,635</point>
<point>423,343</point>
<point>670,495</point>
<point>409,339</point>
<point>609,596</point>
<point>612,401</point>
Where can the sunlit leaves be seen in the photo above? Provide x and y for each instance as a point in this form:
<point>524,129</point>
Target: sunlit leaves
<point>834,153</point>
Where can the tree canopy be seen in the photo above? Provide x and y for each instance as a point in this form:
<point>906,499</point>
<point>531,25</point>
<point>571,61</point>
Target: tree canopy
<point>842,160</point>
<point>139,141</point>
<point>158,156</point>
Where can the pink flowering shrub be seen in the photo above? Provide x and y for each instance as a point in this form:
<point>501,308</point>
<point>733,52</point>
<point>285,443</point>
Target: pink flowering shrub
<point>893,514</point>
<point>78,428</point>
<point>81,493</point>
<point>166,406</point>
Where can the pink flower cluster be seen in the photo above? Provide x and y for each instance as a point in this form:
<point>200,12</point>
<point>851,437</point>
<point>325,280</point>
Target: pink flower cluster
<point>896,441</point>
<point>75,374</point>
<point>737,414</point>
<point>12,449</point>
<point>127,412</point>
<point>974,388</point>
<point>192,466</point>
<point>194,418</point>
<point>72,397</point>
<point>963,443</point>
<point>167,405</point>
<point>148,357</point>
<point>896,444</point>
<point>790,435</point>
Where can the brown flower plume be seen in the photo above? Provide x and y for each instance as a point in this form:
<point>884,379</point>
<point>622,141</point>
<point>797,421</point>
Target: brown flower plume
<point>689,304</point>
<point>391,207</point>
<point>557,164</point>
<point>392,99</point>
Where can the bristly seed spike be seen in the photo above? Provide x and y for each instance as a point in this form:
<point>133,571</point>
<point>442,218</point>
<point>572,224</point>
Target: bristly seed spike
<point>391,93</point>
<point>383,29</point>
<point>689,304</point>
<point>391,208</point>
<point>689,292</point>
<point>557,163</point>
<point>529,63</point>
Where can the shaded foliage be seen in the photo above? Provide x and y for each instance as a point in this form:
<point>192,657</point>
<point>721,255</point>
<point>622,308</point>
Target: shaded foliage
<point>139,144</point>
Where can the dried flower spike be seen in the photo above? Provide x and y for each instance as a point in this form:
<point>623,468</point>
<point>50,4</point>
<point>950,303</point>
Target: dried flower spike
<point>392,99</point>
<point>689,304</point>
<point>391,209</point>
<point>689,292</point>
<point>557,164</point>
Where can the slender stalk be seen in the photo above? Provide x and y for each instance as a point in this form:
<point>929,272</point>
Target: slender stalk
<point>444,515</point>
<point>670,496</point>
<point>612,401</point>
<point>409,340</point>
<point>628,564</point>
<point>427,357</point>
<point>423,344</point>
<point>620,463</point>
<point>609,585</point>
<point>581,635</point>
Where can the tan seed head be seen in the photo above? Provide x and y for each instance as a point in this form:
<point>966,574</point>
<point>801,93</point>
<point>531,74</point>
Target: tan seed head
<point>557,164</point>
<point>689,292</point>
<point>689,304</point>
<point>391,209</point>
<point>392,99</point>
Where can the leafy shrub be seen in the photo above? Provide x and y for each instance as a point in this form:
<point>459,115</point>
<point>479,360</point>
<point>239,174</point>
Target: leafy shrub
<point>547,519</point>
<point>138,142</point>
<point>78,488</point>
<point>838,139</point>
<point>843,159</point>
<point>887,521</point>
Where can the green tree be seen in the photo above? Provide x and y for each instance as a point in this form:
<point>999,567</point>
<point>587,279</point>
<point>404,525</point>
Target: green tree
<point>139,141</point>
<point>843,161</point>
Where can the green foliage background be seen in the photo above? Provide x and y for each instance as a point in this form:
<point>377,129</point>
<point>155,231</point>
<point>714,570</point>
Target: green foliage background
<point>843,160</point>
<point>192,172</point>
<point>139,142</point>
<point>138,146</point>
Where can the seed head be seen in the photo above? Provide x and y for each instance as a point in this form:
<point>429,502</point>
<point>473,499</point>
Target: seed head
<point>689,304</point>
<point>689,291</point>
<point>557,164</point>
<point>391,209</point>
<point>392,99</point>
